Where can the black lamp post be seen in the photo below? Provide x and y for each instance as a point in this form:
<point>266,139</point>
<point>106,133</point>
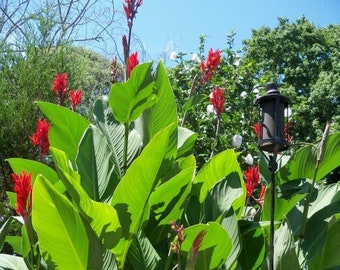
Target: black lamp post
<point>273,137</point>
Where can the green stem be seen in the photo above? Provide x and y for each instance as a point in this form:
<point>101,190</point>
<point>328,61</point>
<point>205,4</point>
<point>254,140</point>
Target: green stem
<point>29,230</point>
<point>126,142</point>
<point>192,92</point>
<point>168,259</point>
<point>216,135</point>
<point>311,188</point>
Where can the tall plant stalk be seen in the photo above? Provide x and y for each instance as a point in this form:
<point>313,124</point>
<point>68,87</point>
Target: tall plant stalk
<point>126,143</point>
<point>216,136</point>
<point>192,92</point>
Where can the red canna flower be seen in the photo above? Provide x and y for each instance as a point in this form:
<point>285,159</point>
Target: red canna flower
<point>208,68</point>
<point>217,100</point>
<point>23,190</point>
<point>40,137</point>
<point>252,179</point>
<point>133,62</point>
<point>258,130</point>
<point>130,9</point>
<point>75,98</point>
<point>60,87</point>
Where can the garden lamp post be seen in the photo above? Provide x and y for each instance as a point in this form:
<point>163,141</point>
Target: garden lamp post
<point>272,138</point>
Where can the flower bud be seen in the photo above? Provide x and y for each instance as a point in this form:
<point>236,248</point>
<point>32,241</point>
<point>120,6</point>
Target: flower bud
<point>237,141</point>
<point>249,160</point>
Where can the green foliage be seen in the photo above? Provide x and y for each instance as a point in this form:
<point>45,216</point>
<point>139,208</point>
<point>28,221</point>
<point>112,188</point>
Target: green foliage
<point>133,190</point>
<point>105,215</point>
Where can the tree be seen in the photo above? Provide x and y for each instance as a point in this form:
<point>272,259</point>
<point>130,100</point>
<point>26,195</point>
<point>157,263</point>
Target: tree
<point>53,23</point>
<point>303,60</point>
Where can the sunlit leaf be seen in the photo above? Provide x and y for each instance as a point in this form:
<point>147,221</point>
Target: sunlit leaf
<point>129,99</point>
<point>215,247</point>
<point>302,163</point>
<point>64,240</point>
<point>316,231</point>
<point>186,141</point>
<point>8,262</point>
<point>67,127</point>
<point>284,249</point>
<point>230,224</point>
<point>114,133</point>
<point>168,199</point>
<point>102,218</point>
<point>163,113</point>
<point>215,170</point>
<point>221,196</point>
<point>329,257</point>
<point>95,163</point>
<point>131,196</point>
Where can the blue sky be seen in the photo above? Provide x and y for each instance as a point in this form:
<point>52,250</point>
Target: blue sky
<point>176,25</point>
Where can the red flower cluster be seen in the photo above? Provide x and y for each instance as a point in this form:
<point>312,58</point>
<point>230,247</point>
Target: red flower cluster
<point>40,137</point>
<point>208,68</point>
<point>133,62</point>
<point>217,100</point>
<point>60,87</point>
<point>75,98</point>
<point>23,190</point>
<point>258,130</point>
<point>130,9</point>
<point>252,179</point>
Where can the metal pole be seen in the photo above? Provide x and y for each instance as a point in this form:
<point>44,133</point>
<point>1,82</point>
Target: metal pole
<point>272,166</point>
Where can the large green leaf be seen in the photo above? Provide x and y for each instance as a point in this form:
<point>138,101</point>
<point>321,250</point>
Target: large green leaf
<point>163,113</point>
<point>302,163</point>
<point>230,224</point>
<point>4,230</point>
<point>8,262</point>
<point>67,128</point>
<point>95,163</point>
<point>102,218</point>
<point>215,247</point>
<point>215,170</point>
<point>186,141</point>
<point>35,167</point>
<point>131,197</point>
<point>167,201</point>
<point>114,133</point>
<point>129,99</point>
<point>142,255</point>
<point>321,198</point>
<point>317,229</point>
<point>221,196</point>
<point>254,248</point>
<point>64,240</point>
<point>284,249</point>
<point>283,206</point>
<point>329,257</point>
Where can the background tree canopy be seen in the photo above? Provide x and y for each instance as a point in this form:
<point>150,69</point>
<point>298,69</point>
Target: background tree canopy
<point>303,60</point>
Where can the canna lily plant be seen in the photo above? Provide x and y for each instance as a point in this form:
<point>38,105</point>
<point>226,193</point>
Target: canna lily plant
<point>125,194</point>
<point>124,191</point>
